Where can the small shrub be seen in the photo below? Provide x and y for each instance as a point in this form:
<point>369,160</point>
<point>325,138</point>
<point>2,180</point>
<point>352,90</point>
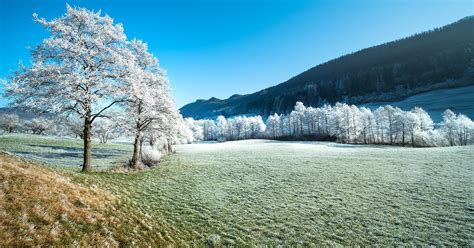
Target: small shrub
<point>150,157</point>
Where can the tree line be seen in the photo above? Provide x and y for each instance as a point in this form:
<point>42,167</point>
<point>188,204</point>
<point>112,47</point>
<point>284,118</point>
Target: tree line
<point>343,123</point>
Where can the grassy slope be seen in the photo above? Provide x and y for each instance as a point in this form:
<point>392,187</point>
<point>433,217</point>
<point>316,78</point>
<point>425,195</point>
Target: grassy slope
<point>298,193</point>
<point>459,100</point>
<point>42,206</point>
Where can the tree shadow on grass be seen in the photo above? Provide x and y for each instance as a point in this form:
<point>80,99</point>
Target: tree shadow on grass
<point>59,152</point>
<point>332,144</point>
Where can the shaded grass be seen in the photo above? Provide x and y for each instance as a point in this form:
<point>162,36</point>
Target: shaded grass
<point>63,151</point>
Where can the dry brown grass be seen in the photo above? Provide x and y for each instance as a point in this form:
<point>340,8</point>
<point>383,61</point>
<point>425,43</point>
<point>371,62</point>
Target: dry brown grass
<point>39,206</point>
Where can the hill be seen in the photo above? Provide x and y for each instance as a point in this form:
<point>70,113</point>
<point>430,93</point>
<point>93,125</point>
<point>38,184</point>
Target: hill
<point>41,206</point>
<point>437,59</point>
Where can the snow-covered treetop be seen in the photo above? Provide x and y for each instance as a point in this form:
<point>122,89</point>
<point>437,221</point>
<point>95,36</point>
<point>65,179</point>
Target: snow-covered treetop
<point>80,68</point>
<point>148,94</point>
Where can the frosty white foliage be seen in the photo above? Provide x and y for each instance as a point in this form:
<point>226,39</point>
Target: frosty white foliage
<point>105,129</point>
<point>79,69</point>
<point>151,155</point>
<point>39,125</point>
<point>149,107</point>
<point>9,122</point>
<point>343,123</point>
<point>86,68</point>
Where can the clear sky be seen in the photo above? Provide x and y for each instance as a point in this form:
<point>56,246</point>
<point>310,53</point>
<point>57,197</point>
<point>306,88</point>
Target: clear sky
<point>223,47</point>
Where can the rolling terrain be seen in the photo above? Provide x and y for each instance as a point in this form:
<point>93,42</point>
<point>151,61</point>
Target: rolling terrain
<point>253,192</point>
<point>442,58</point>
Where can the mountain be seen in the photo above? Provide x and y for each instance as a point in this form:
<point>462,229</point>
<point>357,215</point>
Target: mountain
<point>438,59</point>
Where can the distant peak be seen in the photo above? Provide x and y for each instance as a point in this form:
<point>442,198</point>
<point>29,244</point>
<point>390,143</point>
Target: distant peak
<point>234,96</point>
<point>467,18</point>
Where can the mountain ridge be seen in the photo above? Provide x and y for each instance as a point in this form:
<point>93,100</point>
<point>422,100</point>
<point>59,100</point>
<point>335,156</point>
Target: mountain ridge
<point>435,59</point>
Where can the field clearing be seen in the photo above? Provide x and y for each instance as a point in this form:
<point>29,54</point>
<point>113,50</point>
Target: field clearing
<point>289,193</point>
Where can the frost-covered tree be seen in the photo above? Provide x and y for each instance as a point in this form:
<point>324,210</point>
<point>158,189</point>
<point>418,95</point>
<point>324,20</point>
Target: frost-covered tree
<point>170,127</point>
<point>74,126</point>
<point>79,69</point>
<point>449,126</point>
<point>9,122</point>
<point>148,97</point>
<point>104,129</point>
<point>426,123</point>
<point>273,125</point>
<point>464,127</point>
<point>367,125</point>
<point>256,126</point>
<point>343,122</point>
<point>39,125</point>
<point>222,127</point>
<point>185,133</point>
<point>298,118</point>
<point>209,129</point>
<point>195,129</point>
<point>412,124</point>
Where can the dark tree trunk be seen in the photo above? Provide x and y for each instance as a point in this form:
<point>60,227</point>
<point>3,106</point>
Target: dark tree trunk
<point>86,165</point>
<point>170,147</point>
<point>152,140</point>
<point>136,162</point>
<point>403,137</point>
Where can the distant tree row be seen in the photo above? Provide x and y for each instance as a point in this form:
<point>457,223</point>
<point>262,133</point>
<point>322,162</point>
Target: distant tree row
<point>104,130</point>
<point>345,124</point>
<point>11,123</point>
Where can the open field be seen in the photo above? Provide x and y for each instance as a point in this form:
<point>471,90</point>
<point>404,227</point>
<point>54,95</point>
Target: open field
<point>267,192</point>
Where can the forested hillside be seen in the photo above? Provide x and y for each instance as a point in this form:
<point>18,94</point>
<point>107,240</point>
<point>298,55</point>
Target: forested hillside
<point>440,58</point>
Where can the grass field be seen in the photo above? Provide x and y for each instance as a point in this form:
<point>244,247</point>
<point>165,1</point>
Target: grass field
<point>289,193</point>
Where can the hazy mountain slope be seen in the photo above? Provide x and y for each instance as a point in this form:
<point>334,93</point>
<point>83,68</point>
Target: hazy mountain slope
<point>441,58</point>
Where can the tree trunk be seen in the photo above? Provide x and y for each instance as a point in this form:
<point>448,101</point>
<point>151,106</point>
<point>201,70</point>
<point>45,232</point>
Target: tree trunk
<point>136,162</point>
<point>170,147</point>
<point>165,148</point>
<point>152,140</point>
<point>403,137</point>
<point>86,165</point>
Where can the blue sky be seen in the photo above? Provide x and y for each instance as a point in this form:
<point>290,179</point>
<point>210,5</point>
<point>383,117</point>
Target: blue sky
<point>219,48</point>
